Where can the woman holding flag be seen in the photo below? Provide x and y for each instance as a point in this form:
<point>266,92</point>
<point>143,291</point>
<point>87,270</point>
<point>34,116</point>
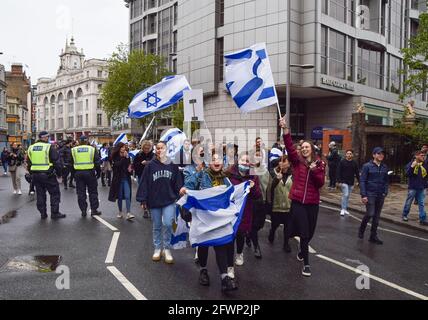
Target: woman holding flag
<point>308,179</point>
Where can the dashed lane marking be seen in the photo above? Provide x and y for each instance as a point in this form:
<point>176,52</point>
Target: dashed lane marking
<point>380,280</point>
<point>128,285</point>
<point>112,250</point>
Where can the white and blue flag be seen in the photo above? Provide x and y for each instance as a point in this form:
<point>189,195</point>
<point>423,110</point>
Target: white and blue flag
<point>216,213</point>
<point>275,153</point>
<point>158,97</point>
<point>104,154</point>
<point>249,78</point>
<point>180,232</point>
<point>174,139</point>
<point>121,138</point>
<point>133,154</point>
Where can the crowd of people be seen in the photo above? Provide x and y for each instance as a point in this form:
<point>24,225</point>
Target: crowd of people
<point>285,184</point>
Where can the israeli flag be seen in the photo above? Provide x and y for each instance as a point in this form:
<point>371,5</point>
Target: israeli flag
<point>158,97</point>
<point>121,138</point>
<point>133,154</point>
<point>104,154</point>
<point>174,139</point>
<point>216,213</point>
<point>275,153</point>
<point>249,78</point>
<point>180,232</point>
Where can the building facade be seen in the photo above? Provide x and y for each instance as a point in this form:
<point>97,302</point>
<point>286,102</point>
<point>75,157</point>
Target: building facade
<point>353,46</point>
<point>3,108</point>
<point>70,104</point>
<point>18,116</point>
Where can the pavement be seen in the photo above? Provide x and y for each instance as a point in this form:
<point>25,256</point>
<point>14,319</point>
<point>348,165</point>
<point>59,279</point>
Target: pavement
<point>392,209</point>
<point>395,271</point>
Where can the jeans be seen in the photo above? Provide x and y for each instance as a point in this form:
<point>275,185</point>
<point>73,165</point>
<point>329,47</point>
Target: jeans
<point>163,217</point>
<point>374,209</point>
<point>420,198</point>
<point>4,166</point>
<point>346,190</point>
<point>124,193</point>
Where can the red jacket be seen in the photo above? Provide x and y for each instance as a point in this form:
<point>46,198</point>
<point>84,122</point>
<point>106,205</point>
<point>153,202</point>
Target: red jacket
<point>255,193</point>
<point>306,183</point>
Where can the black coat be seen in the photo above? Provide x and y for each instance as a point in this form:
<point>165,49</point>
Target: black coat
<point>120,171</point>
<point>140,157</point>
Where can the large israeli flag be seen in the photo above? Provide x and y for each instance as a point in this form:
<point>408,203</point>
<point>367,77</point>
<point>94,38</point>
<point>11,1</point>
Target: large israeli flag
<point>158,97</point>
<point>180,232</point>
<point>216,213</point>
<point>174,139</point>
<point>249,78</point>
<point>121,138</point>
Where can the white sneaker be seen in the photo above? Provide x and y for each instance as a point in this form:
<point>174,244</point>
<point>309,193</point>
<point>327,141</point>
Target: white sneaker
<point>239,260</point>
<point>32,193</point>
<point>120,215</point>
<point>129,216</point>
<point>157,255</point>
<point>347,212</point>
<point>342,213</point>
<point>15,192</point>
<point>231,272</point>
<point>19,192</point>
<point>168,256</point>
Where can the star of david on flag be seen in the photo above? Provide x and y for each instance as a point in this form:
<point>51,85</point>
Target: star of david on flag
<point>158,97</point>
<point>249,78</point>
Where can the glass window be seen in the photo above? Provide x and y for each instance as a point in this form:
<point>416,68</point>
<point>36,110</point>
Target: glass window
<point>324,50</point>
<point>395,23</point>
<point>337,55</point>
<point>99,104</point>
<point>370,67</point>
<point>338,9</point>
<point>324,5</point>
<point>350,9</point>
<point>71,122</point>
<point>350,59</point>
<point>394,83</point>
<point>99,119</point>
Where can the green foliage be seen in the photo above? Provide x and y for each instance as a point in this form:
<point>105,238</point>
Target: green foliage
<point>415,59</point>
<point>129,73</point>
<point>417,133</point>
<point>178,117</point>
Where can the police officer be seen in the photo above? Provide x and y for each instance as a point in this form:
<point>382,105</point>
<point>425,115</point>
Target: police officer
<point>86,163</point>
<point>44,165</point>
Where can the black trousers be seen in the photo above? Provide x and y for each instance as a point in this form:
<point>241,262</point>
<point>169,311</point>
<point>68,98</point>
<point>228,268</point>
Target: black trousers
<point>332,174</point>
<point>87,180</point>
<point>279,218</point>
<point>373,211</point>
<point>224,256</point>
<point>47,183</point>
<point>105,175</point>
<point>258,222</point>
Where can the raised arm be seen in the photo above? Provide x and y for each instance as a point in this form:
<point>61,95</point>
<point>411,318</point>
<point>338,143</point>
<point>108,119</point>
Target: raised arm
<point>292,152</point>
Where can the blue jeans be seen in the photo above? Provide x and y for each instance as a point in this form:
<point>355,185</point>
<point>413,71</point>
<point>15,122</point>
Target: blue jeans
<point>346,190</point>
<point>5,167</point>
<point>420,197</point>
<point>124,193</point>
<point>163,216</point>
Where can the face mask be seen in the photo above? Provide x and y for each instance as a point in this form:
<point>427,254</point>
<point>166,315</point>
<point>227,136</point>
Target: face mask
<point>243,168</point>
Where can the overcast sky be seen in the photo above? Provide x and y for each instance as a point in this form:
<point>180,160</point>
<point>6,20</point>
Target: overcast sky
<point>33,32</point>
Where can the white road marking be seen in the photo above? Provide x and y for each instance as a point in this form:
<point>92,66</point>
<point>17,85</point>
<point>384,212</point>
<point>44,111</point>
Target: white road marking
<point>385,282</point>
<point>311,250</point>
<point>112,250</point>
<point>108,225</point>
<point>128,285</point>
<point>380,228</point>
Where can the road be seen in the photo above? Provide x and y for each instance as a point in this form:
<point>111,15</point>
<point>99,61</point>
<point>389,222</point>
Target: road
<point>397,269</point>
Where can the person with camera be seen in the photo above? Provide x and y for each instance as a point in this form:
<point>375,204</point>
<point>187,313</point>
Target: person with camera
<point>45,166</point>
<point>308,179</point>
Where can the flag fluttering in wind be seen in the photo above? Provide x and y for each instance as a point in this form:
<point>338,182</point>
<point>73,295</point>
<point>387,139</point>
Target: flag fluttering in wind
<point>121,138</point>
<point>216,213</point>
<point>158,97</point>
<point>174,139</point>
<point>133,154</point>
<point>249,78</point>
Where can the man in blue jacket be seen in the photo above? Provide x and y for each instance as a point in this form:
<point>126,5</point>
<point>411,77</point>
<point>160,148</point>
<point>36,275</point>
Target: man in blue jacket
<point>373,188</point>
<point>417,171</point>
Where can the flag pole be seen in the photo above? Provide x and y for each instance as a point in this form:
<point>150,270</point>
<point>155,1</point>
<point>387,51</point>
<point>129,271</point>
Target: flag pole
<point>147,130</point>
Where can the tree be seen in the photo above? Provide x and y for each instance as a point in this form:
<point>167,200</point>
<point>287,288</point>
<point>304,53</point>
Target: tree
<point>415,58</point>
<point>416,133</point>
<point>129,73</point>
<point>178,118</point>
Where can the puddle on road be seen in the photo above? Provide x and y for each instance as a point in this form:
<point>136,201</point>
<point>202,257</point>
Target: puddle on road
<point>42,264</point>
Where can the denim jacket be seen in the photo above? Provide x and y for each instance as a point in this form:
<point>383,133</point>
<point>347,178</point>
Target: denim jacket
<point>199,180</point>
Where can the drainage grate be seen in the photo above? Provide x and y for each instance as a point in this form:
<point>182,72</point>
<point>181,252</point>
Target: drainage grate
<point>32,264</point>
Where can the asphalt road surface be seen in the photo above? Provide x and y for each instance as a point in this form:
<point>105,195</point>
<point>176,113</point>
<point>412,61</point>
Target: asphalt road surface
<point>111,259</point>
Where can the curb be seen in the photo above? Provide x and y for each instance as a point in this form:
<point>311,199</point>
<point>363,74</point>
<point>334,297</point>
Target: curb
<point>386,218</point>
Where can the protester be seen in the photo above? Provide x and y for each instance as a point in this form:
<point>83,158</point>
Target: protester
<point>106,169</point>
<point>143,158</point>
<point>278,144</point>
<point>230,156</point>
<point>308,179</point>
<point>333,162</point>
<point>214,176</point>
<point>15,160</point>
<point>5,160</point>
<point>374,189</point>
<point>278,192</point>
<point>417,171</point>
<point>184,156</point>
<point>347,172</point>
<point>158,191</point>
<point>66,160</point>
<point>121,186</point>
<point>237,174</point>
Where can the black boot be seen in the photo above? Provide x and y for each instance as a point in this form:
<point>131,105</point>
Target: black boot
<point>44,216</point>
<point>204,279</point>
<point>227,284</point>
<point>57,216</point>
<point>375,240</point>
<point>95,213</point>
<point>257,252</point>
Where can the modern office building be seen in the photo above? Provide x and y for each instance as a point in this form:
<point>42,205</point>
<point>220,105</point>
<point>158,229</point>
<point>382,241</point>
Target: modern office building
<point>70,104</point>
<point>350,50</point>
